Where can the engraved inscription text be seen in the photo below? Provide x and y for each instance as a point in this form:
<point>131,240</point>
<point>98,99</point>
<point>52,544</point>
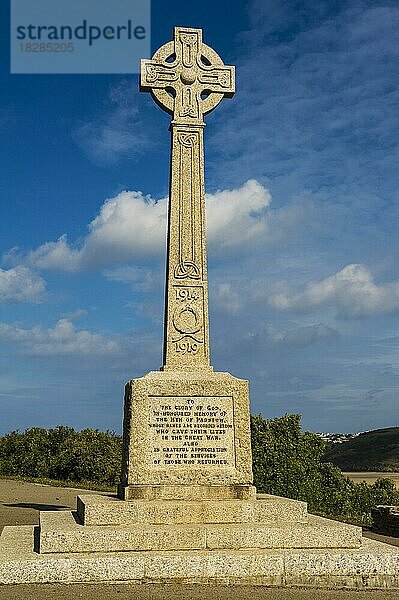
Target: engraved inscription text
<point>192,431</point>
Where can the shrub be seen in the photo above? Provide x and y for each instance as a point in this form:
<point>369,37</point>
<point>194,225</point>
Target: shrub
<point>289,462</point>
<point>62,453</point>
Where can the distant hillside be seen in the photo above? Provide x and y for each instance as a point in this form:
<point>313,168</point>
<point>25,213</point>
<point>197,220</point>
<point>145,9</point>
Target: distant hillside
<point>376,450</point>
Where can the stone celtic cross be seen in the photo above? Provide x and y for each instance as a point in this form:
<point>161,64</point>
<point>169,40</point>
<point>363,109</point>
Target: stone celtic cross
<point>187,79</point>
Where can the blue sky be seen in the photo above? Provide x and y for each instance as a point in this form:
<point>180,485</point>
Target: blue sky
<point>302,208</point>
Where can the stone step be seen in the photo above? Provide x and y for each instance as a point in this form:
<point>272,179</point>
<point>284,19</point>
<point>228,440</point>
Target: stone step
<point>109,510</point>
<point>61,532</point>
<point>373,566</point>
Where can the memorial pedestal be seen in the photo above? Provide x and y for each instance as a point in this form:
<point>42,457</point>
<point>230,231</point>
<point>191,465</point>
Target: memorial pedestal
<point>187,510</point>
<point>186,436</point>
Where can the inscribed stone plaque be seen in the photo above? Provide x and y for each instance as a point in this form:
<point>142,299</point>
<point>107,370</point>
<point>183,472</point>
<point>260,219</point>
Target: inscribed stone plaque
<point>194,431</point>
<point>186,429</point>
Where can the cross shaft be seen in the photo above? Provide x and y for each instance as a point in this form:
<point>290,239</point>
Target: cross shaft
<point>187,79</point>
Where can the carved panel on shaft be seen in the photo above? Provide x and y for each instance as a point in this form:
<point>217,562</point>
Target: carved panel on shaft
<point>188,319</point>
<point>187,335</point>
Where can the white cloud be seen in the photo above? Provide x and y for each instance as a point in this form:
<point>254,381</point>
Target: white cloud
<point>20,285</point>
<point>236,217</point>
<point>307,335</point>
<point>297,337</point>
<point>126,274</point>
<point>139,278</point>
<point>75,314</point>
<point>351,291</point>
<point>117,132</point>
<point>226,298</point>
<point>51,255</point>
<point>63,339</point>
<point>132,227</point>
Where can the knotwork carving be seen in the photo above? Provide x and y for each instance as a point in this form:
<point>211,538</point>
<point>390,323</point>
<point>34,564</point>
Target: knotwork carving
<point>187,269</point>
<point>188,139</point>
<point>188,38</point>
<point>160,73</point>
<point>188,111</point>
<point>224,79</point>
<point>152,73</point>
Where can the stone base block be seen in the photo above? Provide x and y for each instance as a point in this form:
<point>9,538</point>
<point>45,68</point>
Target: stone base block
<point>109,510</point>
<point>60,532</point>
<point>182,427</point>
<point>186,492</point>
<point>373,566</point>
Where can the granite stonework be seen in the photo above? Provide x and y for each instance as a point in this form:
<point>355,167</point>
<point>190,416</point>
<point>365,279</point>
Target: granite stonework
<point>374,566</point>
<point>64,534</point>
<point>267,509</point>
<point>186,509</point>
<point>186,429</point>
<point>187,79</point>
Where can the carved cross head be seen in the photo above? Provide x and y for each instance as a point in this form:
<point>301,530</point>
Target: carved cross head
<point>186,77</point>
